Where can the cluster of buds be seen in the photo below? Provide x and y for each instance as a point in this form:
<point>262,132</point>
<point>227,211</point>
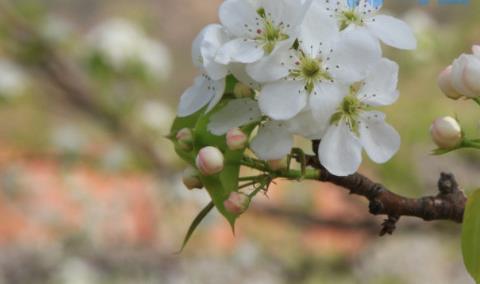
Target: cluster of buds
<point>461,79</point>
<point>446,132</point>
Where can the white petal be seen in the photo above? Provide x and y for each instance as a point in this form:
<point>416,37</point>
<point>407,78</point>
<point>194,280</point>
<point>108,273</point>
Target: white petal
<point>197,96</point>
<point>235,114</point>
<point>197,57</point>
<point>283,100</point>
<point>238,16</point>
<point>213,39</point>
<point>239,71</point>
<point>305,125</point>
<point>272,142</point>
<point>275,66</point>
<point>340,151</point>
<point>218,86</point>
<point>288,12</point>
<point>326,100</point>
<point>380,140</point>
<point>318,30</point>
<point>392,32</point>
<point>380,87</point>
<point>353,56</point>
<point>240,50</point>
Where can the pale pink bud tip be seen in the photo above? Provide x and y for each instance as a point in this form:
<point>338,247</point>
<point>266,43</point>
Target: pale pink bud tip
<point>190,178</point>
<point>445,84</point>
<point>185,139</point>
<point>209,161</point>
<point>236,139</point>
<point>237,203</point>
<point>446,132</point>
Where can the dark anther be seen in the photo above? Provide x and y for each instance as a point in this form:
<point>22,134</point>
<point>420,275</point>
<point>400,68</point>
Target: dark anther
<point>375,207</point>
<point>447,183</point>
<point>389,225</point>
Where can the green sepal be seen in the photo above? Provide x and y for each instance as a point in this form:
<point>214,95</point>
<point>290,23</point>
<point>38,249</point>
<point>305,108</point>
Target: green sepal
<point>201,215</point>
<point>221,185</point>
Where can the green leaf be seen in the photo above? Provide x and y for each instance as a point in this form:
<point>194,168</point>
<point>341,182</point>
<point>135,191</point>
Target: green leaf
<point>185,122</point>
<point>201,215</point>
<point>221,185</point>
<point>471,236</point>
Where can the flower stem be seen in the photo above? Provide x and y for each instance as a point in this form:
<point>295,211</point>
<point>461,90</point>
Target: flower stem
<point>311,174</point>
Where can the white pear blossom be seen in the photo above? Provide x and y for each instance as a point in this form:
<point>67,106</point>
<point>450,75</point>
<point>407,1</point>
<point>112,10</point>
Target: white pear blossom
<point>363,15</point>
<point>209,87</point>
<point>257,26</point>
<point>294,75</point>
<point>353,125</point>
<point>121,42</point>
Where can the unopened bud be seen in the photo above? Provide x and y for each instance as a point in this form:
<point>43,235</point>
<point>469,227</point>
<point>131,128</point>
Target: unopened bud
<point>209,161</point>
<point>185,139</point>
<point>236,139</point>
<point>237,203</point>
<point>276,165</point>
<point>465,74</point>
<point>190,178</point>
<point>242,91</point>
<point>445,84</point>
<point>446,132</point>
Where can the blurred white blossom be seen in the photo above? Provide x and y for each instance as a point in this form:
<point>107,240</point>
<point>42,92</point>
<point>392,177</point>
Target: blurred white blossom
<point>13,81</point>
<point>56,28</point>
<point>122,42</point>
<point>68,138</point>
<point>157,115</point>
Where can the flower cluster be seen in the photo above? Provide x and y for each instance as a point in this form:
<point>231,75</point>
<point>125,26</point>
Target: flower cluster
<point>312,68</point>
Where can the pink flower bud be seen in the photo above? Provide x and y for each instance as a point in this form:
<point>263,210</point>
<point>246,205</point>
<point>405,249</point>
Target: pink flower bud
<point>236,139</point>
<point>446,132</point>
<point>242,91</point>
<point>185,139</point>
<point>237,203</point>
<point>445,84</point>
<point>465,74</point>
<point>276,165</point>
<point>209,161</point>
<point>190,178</point>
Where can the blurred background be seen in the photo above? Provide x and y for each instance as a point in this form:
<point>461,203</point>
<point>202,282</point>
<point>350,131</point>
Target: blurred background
<point>90,190</point>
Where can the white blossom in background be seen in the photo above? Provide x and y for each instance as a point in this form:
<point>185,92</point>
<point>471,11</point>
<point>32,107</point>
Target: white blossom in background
<point>157,115</point>
<point>56,28</point>
<point>209,86</point>
<point>353,125</point>
<point>68,138</point>
<point>13,81</point>
<point>121,42</point>
<point>389,30</point>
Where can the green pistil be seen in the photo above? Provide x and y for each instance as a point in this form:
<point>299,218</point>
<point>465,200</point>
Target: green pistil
<point>270,34</point>
<point>311,71</point>
<point>349,111</point>
<point>349,17</point>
